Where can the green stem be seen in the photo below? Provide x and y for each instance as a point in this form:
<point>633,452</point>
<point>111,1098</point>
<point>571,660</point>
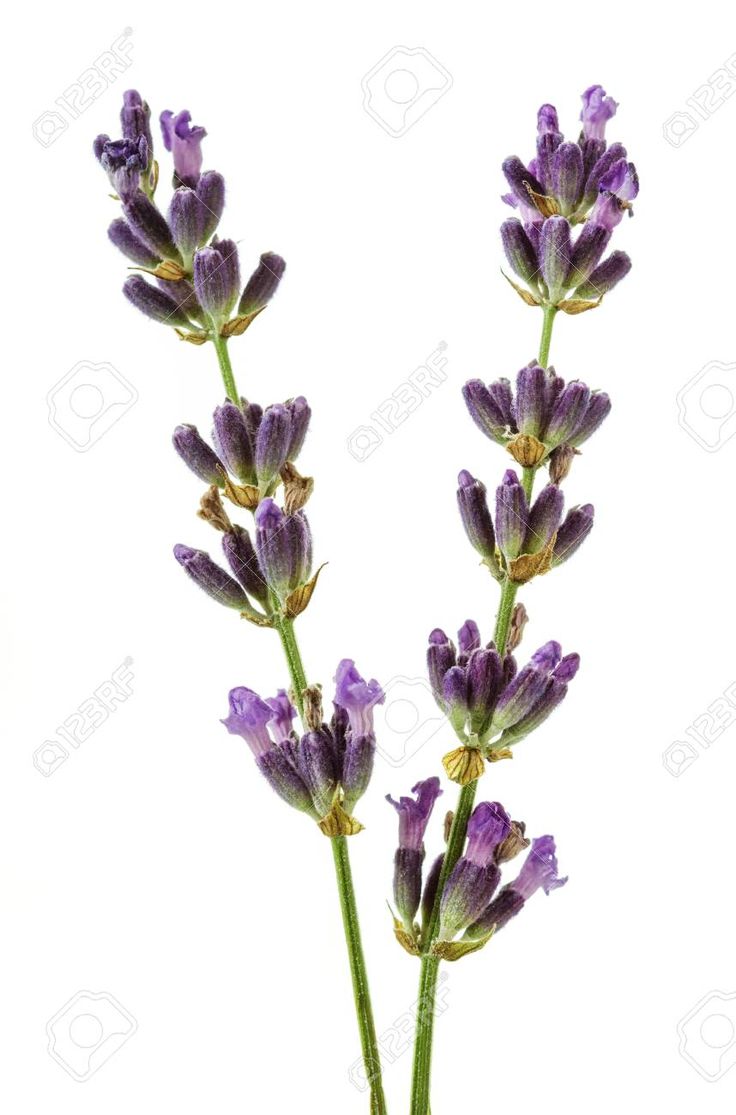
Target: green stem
<point>226,368</point>
<point>420,1087</point>
<point>361,992</point>
<point>285,628</point>
<point>546,338</point>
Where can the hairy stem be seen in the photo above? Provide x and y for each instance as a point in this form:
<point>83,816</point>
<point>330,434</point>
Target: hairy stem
<point>361,992</point>
<point>226,368</point>
<point>420,1088</point>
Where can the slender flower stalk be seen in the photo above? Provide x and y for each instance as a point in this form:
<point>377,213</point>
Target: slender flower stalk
<point>323,769</point>
<point>567,185</point>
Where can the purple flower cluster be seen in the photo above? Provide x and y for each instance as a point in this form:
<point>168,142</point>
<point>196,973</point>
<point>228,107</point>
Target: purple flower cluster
<point>308,771</point>
<point>198,285</point>
<point>488,702</point>
<point>567,184</point>
<point>470,900</point>
<point>521,531</point>
<point>253,446</point>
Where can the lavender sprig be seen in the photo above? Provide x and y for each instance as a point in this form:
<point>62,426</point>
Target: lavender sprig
<point>569,198</point>
<point>323,769</point>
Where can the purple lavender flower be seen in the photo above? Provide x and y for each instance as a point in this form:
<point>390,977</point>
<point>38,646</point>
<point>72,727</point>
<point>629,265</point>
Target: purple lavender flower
<point>284,548</point>
<point>597,110</point>
<point>466,685</point>
<point>233,441</point>
<point>278,759</point>
<point>124,161</point>
<point>155,303</point>
<point>185,143</point>
<point>521,529</point>
<point>539,872</point>
<point>575,528</point>
<point>533,694</point>
<point>125,240</point>
<point>241,557</point>
<point>543,407</point>
<point>135,118</point>
<point>555,192</point>
<point>272,445</point>
<point>357,696</point>
<point>475,876</point>
<point>413,819</point>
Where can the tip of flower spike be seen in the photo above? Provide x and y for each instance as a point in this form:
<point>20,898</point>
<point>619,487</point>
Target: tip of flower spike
<point>567,668</point>
<point>438,637</point>
<point>184,554</point>
<point>548,656</point>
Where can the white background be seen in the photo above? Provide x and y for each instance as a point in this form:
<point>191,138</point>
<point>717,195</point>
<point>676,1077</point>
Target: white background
<point>154,864</point>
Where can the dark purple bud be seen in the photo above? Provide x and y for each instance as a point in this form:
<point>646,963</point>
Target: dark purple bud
<point>606,276</point>
<point>519,178</point>
<point>468,638</point>
<point>597,110</point>
<point>531,400</point>
<point>520,251</point>
<point>567,669</point>
<point>211,578</point>
<point>215,279</point>
<point>211,193</point>
<point>317,768</point>
<point>555,255</point>
<point>499,913</point>
<point>249,718</point>
<point>567,176</point>
<point>357,696</point>
<point>135,118</point>
<point>300,414</point>
<point>184,142</point>
<point>512,515</point>
<point>589,247</point>
<point>233,442</point>
<point>473,505</point>
<point>197,455</point>
<point>429,893</point>
<point>440,658</point>
<point>279,767</point>
<point>602,164</point>
<point>357,767</point>
<point>241,557</point>
<point>284,548</point>
<point>519,697</point>
<point>263,283</point>
<point>575,529</point>
<point>488,410</point>
<point>149,225</point>
<point>124,161</point>
<point>484,678</point>
<point>598,409</point>
<point>544,519</point>
<point>455,698</point>
<point>414,814</point>
<point>569,411</point>
<point>182,292</point>
<point>154,303</point>
<point>127,242</point>
<point>467,893</point>
<point>272,445</point>
<point>187,219</point>
<point>547,120</point>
